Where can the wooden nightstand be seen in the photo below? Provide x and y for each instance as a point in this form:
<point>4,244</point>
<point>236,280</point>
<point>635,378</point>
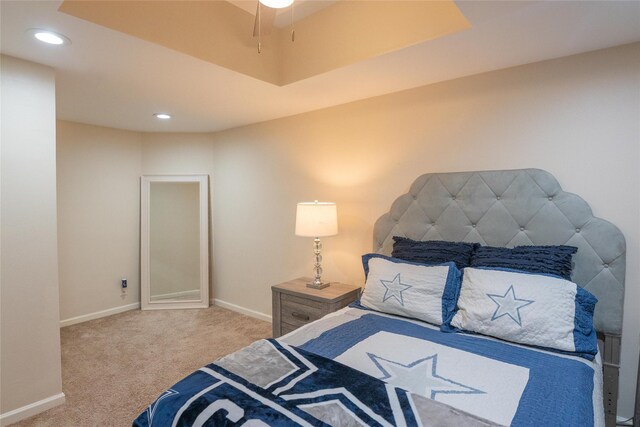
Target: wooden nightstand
<point>294,304</point>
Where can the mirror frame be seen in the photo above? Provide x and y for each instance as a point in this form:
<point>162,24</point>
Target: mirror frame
<point>145,273</point>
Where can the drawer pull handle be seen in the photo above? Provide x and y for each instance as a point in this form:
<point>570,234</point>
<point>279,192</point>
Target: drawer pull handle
<point>300,316</point>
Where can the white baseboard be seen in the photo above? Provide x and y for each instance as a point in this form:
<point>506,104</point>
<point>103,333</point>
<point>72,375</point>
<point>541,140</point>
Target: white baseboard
<point>31,409</point>
<point>136,305</point>
<point>247,311</point>
<point>99,314</point>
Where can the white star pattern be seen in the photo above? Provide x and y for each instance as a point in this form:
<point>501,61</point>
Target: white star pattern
<point>419,377</point>
<point>509,305</point>
<point>394,289</point>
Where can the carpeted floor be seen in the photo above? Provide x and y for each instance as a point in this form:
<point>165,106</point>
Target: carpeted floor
<point>113,367</point>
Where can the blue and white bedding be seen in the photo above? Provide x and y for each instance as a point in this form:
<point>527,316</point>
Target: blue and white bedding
<point>506,383</point>
<point>273,384</point>
<point>360,367</point>
<point>534,309</point>
<point>431,289</point>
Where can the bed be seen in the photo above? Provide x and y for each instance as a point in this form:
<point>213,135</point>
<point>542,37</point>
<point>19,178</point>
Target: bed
<point>360,366</point>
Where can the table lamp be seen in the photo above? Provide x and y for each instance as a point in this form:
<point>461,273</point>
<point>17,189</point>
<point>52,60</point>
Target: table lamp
<point>317,219</point>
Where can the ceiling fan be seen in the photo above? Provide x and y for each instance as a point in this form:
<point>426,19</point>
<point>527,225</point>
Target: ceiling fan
<point>265,17</point>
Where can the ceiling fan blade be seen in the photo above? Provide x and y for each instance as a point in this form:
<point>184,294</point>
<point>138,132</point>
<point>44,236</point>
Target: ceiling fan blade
<point>267,16</point>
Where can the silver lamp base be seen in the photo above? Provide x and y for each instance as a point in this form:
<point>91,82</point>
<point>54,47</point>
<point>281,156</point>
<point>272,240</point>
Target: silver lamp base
<point>317,285</point>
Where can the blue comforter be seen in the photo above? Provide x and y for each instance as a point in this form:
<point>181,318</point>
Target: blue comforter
<point>506,383</point>
<point>273,384</point>
<point>359,367</point>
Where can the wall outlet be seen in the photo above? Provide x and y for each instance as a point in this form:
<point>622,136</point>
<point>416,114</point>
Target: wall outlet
<point>123,283</point>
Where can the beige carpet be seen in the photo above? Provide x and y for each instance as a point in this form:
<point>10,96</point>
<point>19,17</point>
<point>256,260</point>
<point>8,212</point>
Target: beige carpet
<point>112,368</point>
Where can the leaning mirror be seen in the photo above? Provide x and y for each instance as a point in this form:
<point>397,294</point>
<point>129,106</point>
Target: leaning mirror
<point>174,241</point>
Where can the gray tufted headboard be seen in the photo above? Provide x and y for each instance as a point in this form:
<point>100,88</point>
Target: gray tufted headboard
<point>510,208</point>
<point>521,207</point>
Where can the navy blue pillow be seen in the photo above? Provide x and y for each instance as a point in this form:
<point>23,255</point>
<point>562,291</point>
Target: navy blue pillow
<point>555,260</point>
<point>433,251</point>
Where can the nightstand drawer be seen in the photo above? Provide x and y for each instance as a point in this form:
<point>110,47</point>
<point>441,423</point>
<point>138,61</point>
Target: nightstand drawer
<point>295,304</point>
<point>298,312</point>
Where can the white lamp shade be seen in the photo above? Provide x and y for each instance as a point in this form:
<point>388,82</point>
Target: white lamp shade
<point>316,219</point>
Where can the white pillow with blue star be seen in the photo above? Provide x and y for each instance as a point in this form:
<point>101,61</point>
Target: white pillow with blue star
<point>534,309</point>
<point>409,289</point>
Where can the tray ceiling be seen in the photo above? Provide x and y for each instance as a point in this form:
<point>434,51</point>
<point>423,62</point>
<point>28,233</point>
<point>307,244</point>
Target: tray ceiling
<point>109,78</point>
<point>338,34</point>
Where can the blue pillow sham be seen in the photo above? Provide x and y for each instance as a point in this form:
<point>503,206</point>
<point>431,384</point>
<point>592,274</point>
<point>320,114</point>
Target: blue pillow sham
<point>433,251</point>
<point>555,260</point>
<point>418,291</point>
<point>534,309</point>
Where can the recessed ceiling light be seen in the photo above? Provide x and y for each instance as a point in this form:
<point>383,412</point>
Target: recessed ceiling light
<point>162,116</point>
<point>277,4</point>
<point>49,37</point>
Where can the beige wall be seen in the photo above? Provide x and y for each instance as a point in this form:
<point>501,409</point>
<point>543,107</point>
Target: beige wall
<point>577,117</point>
<point>99,173</point>
<point>98,218</point>
<point>177,154</point>
<point>30,338</point>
